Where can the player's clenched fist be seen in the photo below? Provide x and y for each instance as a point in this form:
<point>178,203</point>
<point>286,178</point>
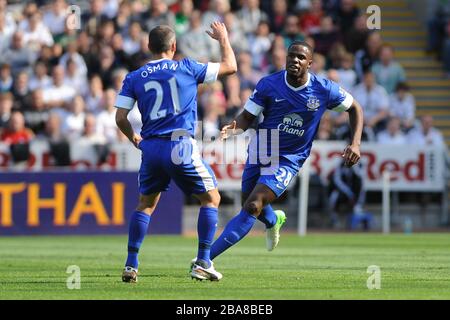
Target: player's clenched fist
<point>228,130</point>
<point>219,31</point>
<point>351,155</point>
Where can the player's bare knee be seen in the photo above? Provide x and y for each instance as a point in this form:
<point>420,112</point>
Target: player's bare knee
<point>209,199</point>
<point>253,207</point>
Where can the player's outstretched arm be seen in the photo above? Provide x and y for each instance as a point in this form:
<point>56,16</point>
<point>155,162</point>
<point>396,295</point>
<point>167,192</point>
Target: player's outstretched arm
<point>238,125</point>
<point>125,126</point>
<point>228,65</point>
<point>352,153</point>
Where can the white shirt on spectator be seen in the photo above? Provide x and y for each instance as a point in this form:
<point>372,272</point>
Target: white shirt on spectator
<point>63,92</point>
<point>43,83</point>
<point>372,101</point>
<point>347,78</point>
<point>384,137</point>
<point>403,109</point>
<point>40,35</point>
<point>106,125</point>
<point>434,137</point>
<point>79,61</point>
<point>73,125</point>
<point>56,23</point>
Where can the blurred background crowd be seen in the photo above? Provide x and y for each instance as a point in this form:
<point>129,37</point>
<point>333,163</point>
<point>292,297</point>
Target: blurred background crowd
<point>59,84</point>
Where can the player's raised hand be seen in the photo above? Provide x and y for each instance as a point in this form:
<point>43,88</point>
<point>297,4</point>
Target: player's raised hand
<point>351,155</point>
<point>228,130</point>
<point>219,31</point>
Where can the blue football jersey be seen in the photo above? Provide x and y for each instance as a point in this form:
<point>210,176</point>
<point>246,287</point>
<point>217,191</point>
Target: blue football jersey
<point>294,113</point>
<point>166,94</point>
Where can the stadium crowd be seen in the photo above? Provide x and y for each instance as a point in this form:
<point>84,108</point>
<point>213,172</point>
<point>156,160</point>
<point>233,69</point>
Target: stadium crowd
<point>59,83</point>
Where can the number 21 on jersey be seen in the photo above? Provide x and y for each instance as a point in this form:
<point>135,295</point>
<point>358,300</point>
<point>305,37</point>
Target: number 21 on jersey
<point>156,112</point>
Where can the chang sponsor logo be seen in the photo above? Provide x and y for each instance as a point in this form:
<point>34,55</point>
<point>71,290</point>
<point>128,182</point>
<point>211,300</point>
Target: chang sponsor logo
<point>292,124</point>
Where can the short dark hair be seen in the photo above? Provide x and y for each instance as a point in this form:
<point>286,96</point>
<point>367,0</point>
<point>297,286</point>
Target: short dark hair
<point>303,44</point>
<point>160,39</point>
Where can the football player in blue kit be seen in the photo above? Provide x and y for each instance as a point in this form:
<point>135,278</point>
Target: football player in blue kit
<point>165,91</point>
<point>292,102</point>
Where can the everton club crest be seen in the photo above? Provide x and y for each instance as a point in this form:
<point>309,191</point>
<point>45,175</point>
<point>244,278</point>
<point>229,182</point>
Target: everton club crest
<point>313,103</point>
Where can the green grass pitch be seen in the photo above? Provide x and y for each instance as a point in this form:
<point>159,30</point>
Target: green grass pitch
<point>319,266</point>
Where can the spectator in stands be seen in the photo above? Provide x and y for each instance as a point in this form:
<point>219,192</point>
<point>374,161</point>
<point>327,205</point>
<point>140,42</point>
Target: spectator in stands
<point>278,17</point>
<point>403,106</point>
<point>72,54</point>
<point>123,19</point>
<point>388,72</point>
<point>277,60</point>
<point>346,15</point>
<point>216,12</point>
<point>92,18</point>
<point>106,123</point>
<point>131,42</point>
<point>18,137</point>
<point>292,31</point>
<point>251,15</point>
<point>20,90</point>
<point>142,56</point>
<point>75,79</point>
<point>260,45</point>
<point>318,65</point>
<point>347,75</point>
<point>55,18</point>
<point>36,33</point>
<point>158,14</point>
<point>91,137</point>
<point>426,134</point>
<point>374,101</point>
<point>18,56</point>
<point>311,20</point>
<point>6,106</point>
<point>326,130</point>
<point>238,40</point>
<point>326,37</point>
<point>247,75</point>
<point>106,65</point>
<point>58,144</point>
<point>365,58</point>
<point>40,78</point>
<point>393,134</point>
<point>95,95</point>
<point>73,121</point>
<point>36,115</point>
<point>6,31</point>
<point>196,43</point>
<point>182,17</point>
<point>58,93</point>
<point>6,79</point>
<point>232,90</point>
<point>356,38</point>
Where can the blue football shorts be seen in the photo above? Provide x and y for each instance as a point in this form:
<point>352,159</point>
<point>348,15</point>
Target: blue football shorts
<point>164,160</point>
<point>276,177</point>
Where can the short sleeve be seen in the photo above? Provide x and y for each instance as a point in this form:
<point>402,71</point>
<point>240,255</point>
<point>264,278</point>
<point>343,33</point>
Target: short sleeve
<point>256,103</point>
<point>203,72</point>
<point>126,97</point>
<point>339,99</point>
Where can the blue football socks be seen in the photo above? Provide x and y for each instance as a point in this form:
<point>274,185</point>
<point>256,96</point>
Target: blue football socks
<point>206,228</point>
<point>268,216</point>
<point>138,229</point>
<point>235,230</point>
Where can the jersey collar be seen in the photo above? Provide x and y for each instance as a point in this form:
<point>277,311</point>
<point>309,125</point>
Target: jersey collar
<point>159,60</point>
<point>298,88</point>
